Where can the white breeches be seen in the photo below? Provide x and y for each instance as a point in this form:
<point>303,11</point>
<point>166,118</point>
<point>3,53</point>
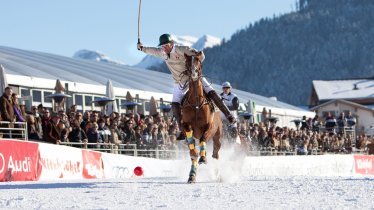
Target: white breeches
<point>179,93</point>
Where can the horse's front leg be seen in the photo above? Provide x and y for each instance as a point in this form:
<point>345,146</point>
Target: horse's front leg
<point>193,154</point>
<point>202,146</point>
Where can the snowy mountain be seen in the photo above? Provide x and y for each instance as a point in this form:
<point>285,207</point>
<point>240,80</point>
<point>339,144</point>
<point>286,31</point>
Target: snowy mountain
<point>205,41</point>
<point>95,56</point>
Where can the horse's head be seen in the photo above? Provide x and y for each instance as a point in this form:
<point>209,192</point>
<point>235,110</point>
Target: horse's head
<point>194,66</point>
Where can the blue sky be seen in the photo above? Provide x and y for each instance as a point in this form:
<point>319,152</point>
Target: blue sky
<point>110,26</point>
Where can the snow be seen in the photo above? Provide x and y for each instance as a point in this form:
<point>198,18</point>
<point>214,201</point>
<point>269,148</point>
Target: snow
<point>220,185</point>
<point>344,89</point>
<point>95,56</point>
<point>174,193</point>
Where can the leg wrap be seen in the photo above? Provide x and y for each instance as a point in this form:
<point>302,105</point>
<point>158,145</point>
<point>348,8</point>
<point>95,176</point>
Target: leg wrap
<point>202,148</point>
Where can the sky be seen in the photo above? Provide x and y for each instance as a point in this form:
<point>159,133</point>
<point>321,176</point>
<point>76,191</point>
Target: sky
<point>111,26</point>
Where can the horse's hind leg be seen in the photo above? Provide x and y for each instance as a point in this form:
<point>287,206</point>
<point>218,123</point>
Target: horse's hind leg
<point>202,146</point>
<point>193,155</point>
<point>216,145</point>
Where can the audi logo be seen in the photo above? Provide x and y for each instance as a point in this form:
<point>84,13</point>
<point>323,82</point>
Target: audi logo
<point>120,172</point>
<point>2,163</point>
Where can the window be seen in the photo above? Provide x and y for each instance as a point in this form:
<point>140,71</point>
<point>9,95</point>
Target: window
<point>47,100</point>
<point>25,92</point>
<point>88,100</point>
<point>37,96</point>
<point>78,99</point>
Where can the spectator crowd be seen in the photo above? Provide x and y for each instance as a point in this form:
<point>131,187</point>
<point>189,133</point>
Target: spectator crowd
<point>95,130</point>
<point>312,136</point>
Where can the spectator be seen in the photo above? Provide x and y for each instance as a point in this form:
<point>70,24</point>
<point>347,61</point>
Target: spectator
<point>16,109</point>
<point>38,121</point>
<point>46,118</point>
<point>330,123</point>
<point>351,121</point>
<point>316,123</point>
<point>52,131</point>
<point>33,133</point>
<point>304,124</point>
<point>64,135</point>
<point>85,120</point>
<point>115,137</point>
<point>77,134</point>
<point>64,119</point>
<point>94,136</point>
<point>341,121</point>
<point>7,111</point>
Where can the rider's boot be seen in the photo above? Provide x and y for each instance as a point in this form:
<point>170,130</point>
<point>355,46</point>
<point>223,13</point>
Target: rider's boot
<point>221,106</point>
<point>175,107</point>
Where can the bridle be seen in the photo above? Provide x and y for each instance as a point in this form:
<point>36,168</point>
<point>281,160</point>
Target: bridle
<point>193,73</point>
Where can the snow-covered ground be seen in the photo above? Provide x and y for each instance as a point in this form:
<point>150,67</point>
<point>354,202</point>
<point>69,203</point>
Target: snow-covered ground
<point>174,193</point>
<point>220,185</point>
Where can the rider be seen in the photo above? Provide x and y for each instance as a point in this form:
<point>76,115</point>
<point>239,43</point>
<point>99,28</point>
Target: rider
<point>176,62</point>
<point>232,102</point>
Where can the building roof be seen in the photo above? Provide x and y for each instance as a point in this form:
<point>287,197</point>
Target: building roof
<point>40,70</point>
<point>344,89</point>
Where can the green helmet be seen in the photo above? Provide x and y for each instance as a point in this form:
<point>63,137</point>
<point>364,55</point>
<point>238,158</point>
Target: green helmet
<point>164,39</point>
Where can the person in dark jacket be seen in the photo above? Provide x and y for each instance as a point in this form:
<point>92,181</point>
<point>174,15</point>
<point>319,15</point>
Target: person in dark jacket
<point>77,134</point>
<point>52,132</point>
<point>93,136</point>
<point>7,112</point>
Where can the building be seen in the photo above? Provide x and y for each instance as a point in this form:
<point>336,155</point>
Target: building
<point>33,75</point>
<point>363,114</point>
<point>360,91</point>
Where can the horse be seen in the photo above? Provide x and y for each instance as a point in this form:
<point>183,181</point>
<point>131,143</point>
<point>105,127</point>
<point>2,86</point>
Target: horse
<point>200,121</point>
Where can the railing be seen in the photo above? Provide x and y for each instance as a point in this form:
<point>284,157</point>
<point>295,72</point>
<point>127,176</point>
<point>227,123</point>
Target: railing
<point>130,149</point>
<point>15,130</point>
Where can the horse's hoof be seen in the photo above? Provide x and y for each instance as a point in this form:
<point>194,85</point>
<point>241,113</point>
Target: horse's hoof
<point>202,160</point>
<point>215,156</point>
<point>191,180</point>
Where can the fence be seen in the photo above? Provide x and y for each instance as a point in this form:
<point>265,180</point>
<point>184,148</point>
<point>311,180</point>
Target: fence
<point>13,130</point>
<point>131,149</point>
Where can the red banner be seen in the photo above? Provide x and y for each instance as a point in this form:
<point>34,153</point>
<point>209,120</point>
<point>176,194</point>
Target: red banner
<point>364,164</point>
<point>92,165</point>
<point>19,161</point>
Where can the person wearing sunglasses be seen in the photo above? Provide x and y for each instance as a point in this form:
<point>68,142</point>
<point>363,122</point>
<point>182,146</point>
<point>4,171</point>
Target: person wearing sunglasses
<point>174,57</point>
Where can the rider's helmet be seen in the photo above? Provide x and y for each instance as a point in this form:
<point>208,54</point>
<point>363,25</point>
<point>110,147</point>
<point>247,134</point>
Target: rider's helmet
<point>226,85</point>
<point>164,39</point>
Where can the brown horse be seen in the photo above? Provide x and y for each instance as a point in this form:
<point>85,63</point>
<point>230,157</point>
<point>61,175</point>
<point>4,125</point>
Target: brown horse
<point>199,120</point>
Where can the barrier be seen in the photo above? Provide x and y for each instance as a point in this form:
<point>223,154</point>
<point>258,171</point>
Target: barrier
<point>31,161</point>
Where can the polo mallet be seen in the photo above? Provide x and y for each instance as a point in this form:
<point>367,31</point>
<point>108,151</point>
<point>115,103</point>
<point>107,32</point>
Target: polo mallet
<point>140,5</point>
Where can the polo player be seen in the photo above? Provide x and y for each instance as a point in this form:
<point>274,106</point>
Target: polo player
<point>173,55</point>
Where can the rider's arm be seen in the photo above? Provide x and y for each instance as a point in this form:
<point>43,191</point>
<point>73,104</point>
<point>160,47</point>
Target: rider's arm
<point>153,51</point>
<point>235,104</point>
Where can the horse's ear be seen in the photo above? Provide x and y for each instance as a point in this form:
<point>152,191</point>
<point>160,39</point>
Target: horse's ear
<point>199,54</point>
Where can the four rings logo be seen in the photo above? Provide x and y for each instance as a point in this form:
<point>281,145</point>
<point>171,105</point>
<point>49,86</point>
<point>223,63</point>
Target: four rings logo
<point>120,172</point>
<point>2,163</point>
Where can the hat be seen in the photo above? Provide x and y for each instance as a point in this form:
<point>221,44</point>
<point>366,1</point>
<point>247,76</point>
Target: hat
<point>226,85</point>
<point>164,39</point>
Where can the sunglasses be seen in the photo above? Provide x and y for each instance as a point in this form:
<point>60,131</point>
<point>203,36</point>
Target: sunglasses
<point>166,45</point>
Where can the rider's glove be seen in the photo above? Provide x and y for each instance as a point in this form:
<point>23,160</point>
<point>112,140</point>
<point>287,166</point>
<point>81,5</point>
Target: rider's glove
<point>140,46</point>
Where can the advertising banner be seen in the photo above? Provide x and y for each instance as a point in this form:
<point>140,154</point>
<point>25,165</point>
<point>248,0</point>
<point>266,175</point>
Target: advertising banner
<point>19,161</point>
<point>364,164</point>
